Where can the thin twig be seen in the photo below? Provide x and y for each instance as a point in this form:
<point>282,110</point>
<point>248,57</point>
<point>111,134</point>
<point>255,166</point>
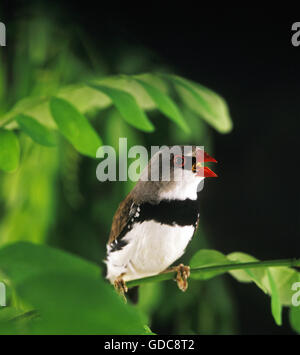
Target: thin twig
<point>217,269</point>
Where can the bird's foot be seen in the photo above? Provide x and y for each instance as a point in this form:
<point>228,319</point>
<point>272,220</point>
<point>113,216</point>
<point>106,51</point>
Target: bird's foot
<point>183,273</point>
<point>120,287</point>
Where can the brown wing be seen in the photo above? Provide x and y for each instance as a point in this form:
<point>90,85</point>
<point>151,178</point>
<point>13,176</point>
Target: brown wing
<point>122,216</point>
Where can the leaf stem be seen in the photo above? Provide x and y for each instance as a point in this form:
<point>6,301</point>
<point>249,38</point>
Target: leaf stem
<point>217,269</point>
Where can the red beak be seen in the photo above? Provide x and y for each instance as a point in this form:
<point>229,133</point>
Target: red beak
<point>208,158</point>
<point>209,173</point>
<point>202,156</point>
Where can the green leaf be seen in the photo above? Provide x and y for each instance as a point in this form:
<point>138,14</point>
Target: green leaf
<point>77,303</point>
<point>127,83</point>
<point>75,127</point>
<point>276,281</point>
<point>7,328</point>
<point>284,278</point>
<point>204,258</point>
<point>68,293</point>
<point>82,97</point>
<point>275,301</point>
<point>36,131</point>
<point>294,316</point>
<point>7,313</point>
<point>153,80</point>
<point>259,276</point>
<point>12,320</point>
<point>203,101</point>
<point>131,98</point>
<point>22,260</point>
<point>127,106</point>
<point>165,104</point>
<point>9,151</point>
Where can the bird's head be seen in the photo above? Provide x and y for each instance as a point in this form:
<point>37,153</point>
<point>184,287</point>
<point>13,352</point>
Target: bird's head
<point>175,172</point>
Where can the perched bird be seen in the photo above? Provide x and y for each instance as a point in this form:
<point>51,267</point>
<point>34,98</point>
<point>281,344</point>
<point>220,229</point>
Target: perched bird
<point>155,222</point>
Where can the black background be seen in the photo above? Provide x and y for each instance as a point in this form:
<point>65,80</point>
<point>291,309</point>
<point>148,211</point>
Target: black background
<point>246,55</point>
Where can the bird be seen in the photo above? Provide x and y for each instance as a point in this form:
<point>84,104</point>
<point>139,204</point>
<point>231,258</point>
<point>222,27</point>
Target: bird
<point>153,225</point>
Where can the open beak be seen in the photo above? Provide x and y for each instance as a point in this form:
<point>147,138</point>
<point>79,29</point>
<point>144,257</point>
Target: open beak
<point>200,169</point>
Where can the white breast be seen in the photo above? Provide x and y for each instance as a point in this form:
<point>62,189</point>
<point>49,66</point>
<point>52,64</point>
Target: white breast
<point>152,247</point>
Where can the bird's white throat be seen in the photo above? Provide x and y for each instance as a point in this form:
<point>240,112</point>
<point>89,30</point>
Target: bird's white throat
<point>184,189</point>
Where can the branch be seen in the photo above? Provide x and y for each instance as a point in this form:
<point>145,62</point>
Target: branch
<point>168,275</point>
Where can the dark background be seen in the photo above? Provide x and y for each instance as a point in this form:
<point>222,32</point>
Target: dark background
<point>246,55</point>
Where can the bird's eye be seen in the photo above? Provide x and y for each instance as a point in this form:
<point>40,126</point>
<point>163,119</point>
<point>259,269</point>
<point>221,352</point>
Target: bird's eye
<point>179,161</point>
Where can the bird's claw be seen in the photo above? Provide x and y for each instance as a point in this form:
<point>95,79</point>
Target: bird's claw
<point>183,273</point>
<point>120,287</point>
